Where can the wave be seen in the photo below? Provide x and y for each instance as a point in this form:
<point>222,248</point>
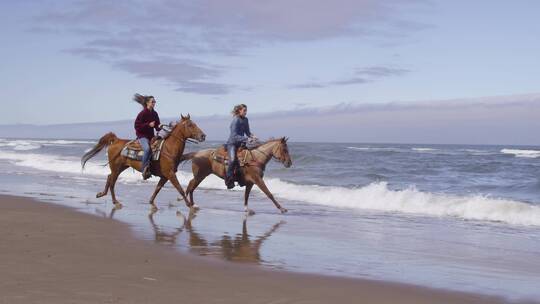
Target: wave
<point>522,153</point>
<point>65,142</point>
<point>423,149</point>
<point>6,142</point>
<point>376,196</point>
<point>72,165</point>
<point>20,145</point>
<point>386,149</point>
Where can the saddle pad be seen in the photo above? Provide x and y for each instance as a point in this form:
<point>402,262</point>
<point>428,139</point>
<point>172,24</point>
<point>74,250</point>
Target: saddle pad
<point>221,156</point>
<point>132,150</point>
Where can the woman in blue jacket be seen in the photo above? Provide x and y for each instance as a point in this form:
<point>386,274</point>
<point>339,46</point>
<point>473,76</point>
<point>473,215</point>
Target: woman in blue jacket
<point>239,135</point>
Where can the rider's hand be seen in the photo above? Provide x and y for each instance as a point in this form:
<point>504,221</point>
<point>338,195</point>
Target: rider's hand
<point>152,124</point>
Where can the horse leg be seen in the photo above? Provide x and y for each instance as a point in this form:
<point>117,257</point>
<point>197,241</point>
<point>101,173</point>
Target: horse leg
<point>176,184</point>
<point>107,184</point>
<point>260,183</point>
<point>194,183</point>
<point>114,177</point>
<point>162,181</point>
<point>190,188</point>
<point>246,198</point>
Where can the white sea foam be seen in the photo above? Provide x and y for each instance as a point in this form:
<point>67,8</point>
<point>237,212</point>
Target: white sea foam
<point>374,149</point>
<point>64,142</point>
<point>20,145</point>
<point>522,153</point>
<point>423,149</point>
<point>375,196</point>
<point>12,142</point>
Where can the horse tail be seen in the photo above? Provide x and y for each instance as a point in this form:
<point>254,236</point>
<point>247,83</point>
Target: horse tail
<point>103,142</point>
<point>188,156</point>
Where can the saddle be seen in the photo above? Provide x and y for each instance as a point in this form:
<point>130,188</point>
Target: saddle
<point>133,149</point>
<point>221,156</point>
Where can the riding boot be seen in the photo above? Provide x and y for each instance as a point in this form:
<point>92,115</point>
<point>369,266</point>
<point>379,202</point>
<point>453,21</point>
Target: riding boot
<point>229,181</point>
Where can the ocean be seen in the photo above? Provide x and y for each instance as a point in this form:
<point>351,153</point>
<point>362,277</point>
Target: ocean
<point>458,217</point>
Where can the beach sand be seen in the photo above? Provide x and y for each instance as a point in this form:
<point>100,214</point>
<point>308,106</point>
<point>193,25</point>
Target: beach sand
<point>53,254</point>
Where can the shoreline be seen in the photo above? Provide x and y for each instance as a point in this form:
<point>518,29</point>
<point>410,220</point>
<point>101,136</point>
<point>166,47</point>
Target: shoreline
<point>55,254</point>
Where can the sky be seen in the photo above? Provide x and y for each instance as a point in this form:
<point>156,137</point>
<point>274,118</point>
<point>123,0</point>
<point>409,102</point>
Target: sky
<point>81,61</point>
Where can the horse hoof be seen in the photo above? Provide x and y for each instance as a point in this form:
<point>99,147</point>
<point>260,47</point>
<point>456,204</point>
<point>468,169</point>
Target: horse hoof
<point>117,205</point>
<point>283,210</point>
<point>249,212</point>
<point>194,207</point>
<point>153,207</point>
<point>100,194</point>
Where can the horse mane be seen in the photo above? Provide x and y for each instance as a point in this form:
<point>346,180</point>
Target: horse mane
<point>271,139</point>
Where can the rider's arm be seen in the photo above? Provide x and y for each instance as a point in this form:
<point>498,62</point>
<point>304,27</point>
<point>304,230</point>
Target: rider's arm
<point>158,123</point>
<point>248,132</point>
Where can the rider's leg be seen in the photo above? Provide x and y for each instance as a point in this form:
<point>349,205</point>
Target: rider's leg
<point>231,151</point>
<point>145,145</point>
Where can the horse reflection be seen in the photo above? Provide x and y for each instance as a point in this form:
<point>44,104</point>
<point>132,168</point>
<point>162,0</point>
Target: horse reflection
<point>239,248</point>
<point>162,236</point>
<point>111,213</point>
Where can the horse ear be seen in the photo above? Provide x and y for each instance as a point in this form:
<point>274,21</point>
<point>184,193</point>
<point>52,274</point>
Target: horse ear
<point>182,116</point>
<point>286,139</point>
<point>188,116</point>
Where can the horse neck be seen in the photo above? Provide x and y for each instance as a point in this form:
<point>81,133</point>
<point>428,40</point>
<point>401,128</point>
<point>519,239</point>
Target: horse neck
<point>267,150</point>
<point>176,142</point>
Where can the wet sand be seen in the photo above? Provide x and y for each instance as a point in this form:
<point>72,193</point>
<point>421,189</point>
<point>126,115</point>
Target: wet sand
<point>53,254</point>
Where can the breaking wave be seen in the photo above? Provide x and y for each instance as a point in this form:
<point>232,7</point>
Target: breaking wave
<point>522,153</point>
<point>375,196</point>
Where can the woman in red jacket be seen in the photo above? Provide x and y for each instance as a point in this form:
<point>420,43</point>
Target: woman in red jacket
<point>145,123</point>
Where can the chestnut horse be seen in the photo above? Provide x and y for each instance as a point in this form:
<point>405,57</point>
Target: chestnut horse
<point>204,164</point>
<point>165,167</point>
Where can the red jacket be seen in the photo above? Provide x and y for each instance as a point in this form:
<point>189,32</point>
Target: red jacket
<point>142,122</point>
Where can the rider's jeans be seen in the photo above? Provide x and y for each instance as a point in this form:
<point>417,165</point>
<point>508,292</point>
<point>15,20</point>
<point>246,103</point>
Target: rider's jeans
<point>145,144</point>
<point>231,150</point>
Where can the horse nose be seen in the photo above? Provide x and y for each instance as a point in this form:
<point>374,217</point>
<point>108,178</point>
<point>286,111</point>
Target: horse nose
<point>203,137</point>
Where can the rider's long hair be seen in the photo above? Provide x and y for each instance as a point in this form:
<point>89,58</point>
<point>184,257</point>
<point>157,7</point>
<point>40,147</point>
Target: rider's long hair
<point>237,109</point>
<point>142,99</point>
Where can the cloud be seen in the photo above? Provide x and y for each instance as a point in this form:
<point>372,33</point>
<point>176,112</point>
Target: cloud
<point>187,76</point>
<point>361,76</point>
<point>122,32</point>
<point>116,31</point>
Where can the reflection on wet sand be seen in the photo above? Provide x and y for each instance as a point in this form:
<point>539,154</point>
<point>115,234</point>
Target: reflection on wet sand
<point>240,248</point>
<point>111,213</point>
<point>164,237</point>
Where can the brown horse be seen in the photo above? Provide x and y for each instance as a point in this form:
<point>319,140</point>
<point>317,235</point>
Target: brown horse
<point>165,167</point>
<point>204,164</point>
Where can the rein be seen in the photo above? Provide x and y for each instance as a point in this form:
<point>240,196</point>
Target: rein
<point>263,153</point>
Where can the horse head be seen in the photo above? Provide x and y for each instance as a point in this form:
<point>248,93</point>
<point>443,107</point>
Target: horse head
<point>281,152</point>
<point>189,129</point>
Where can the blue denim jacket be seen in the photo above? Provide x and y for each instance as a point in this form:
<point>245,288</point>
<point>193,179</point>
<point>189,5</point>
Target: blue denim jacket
<point>239,130</point>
